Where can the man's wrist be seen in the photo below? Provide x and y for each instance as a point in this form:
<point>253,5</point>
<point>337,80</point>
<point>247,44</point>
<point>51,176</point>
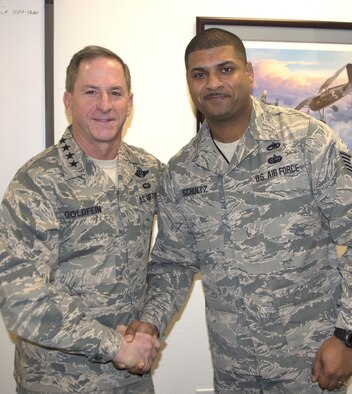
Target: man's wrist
<point>155,328</point>
<point>110,343</point>
<point>344,335</point>
<point>149,320</point>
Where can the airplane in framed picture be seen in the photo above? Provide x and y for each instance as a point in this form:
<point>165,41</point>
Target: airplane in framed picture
<point>328,93</point>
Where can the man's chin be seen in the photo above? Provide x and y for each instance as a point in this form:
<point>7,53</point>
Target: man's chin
<point>106,134</point>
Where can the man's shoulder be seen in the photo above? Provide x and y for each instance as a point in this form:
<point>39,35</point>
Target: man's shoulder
<point>185,155</point>
<point>38,171</point>
<point>278,110</point>
<point>140,155</point>
<point>284,122</point>
<point>39,160</point>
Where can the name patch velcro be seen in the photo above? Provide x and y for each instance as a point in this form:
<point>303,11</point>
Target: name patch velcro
<point>194,190</point>
<point>83,212</point>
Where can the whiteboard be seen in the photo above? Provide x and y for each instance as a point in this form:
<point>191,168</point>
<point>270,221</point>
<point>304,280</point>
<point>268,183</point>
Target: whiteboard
<point>22,112</point>
<point>22,94</point>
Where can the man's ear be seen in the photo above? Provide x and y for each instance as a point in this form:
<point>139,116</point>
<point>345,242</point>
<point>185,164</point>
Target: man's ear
<point>67,99</point>
<point>250,72</point>
<point>130,104</point>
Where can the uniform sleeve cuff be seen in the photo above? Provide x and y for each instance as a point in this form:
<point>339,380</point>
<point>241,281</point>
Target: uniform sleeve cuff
<point>110,344</point>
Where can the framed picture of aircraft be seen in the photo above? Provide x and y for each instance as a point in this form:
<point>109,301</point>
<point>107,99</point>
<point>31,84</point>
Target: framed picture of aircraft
<point>305,65</point>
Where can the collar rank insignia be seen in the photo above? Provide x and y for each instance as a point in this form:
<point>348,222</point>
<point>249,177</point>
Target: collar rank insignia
<point>69,155</point>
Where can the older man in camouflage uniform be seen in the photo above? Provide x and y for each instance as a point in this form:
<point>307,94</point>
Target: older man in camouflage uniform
<point>76,225</point>
<point>257,202</point>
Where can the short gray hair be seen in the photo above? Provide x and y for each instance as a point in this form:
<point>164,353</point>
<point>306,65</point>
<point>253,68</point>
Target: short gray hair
<point>92,52</point>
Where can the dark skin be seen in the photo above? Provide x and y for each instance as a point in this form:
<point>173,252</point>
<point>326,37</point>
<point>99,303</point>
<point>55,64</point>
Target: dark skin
<point>332,366</point>
<point>220,84</point>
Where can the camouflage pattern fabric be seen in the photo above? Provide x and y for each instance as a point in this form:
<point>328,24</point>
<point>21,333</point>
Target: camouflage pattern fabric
<point>262,232</point>
<point>74,252</point>
<point>144,385</point>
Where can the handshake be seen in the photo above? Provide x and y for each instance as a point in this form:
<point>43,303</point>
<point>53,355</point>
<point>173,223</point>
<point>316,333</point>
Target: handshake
<point>139,347</point>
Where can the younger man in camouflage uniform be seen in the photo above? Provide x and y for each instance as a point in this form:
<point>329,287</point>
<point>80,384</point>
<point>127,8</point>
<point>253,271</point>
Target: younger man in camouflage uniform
<point>75,231</point>
<point>257,202</point>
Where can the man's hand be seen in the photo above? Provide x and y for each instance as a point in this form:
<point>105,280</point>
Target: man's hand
<point>136,356</point>
<point>140,326</point>
<point>332,366</point>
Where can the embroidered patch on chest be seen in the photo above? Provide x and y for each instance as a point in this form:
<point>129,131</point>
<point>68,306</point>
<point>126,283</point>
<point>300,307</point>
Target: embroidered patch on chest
<point>190,191</point>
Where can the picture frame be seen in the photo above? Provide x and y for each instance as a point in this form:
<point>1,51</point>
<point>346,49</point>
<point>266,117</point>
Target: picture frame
<point>279,31</point>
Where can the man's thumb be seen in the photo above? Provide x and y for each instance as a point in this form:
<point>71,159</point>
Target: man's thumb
<point>130,333</point>
<point>316,368</point>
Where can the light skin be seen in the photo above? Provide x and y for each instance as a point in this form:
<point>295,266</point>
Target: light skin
<point>142,364</point>
<point>220,84</point>
<point>99,106</point>
<point>136,354</point>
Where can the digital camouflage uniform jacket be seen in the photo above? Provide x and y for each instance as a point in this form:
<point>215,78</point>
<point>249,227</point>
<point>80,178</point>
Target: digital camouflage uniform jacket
<point>261,230</point>
<point>73,253</point>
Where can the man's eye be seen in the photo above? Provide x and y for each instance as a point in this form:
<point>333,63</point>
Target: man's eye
<point>116,93</point>
<point>226,69</point>
<point>90,92</point>
<point>198,75</point>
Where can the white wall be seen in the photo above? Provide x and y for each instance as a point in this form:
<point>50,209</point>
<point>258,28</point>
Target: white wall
<point>151,37</point>
<point>21,112</point>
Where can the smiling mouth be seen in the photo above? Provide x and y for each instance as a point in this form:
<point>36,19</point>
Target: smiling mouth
<point>215,96</point>
<point>103,120</point>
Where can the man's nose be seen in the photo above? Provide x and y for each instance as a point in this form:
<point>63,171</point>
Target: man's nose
<point>214,81</point>
<point>104,102</point>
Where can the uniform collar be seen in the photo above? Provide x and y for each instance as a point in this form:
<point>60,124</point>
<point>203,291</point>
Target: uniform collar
<point>262,121</point>
<point>130,165</point>
<point>206,154</point>
<point>76,164</point>
<point>260,128</point>
<point>71,156</point>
